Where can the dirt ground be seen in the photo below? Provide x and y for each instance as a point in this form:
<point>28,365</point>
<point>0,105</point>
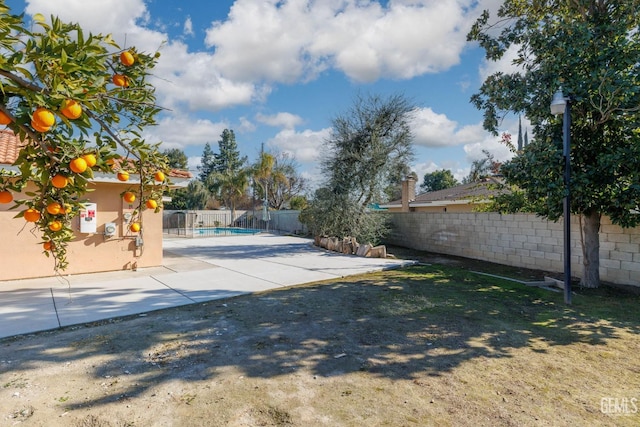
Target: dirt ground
<point>372,350</point>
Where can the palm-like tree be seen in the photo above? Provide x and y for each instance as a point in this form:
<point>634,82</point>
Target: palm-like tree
<point>230,186</point>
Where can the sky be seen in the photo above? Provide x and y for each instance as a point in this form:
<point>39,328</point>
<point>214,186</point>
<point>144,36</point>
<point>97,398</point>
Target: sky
<point>277,72</point>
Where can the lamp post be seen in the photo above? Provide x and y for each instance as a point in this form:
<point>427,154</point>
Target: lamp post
<point>562,105</point>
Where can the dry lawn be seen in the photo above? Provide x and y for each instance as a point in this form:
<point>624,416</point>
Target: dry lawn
<point>432,345</point>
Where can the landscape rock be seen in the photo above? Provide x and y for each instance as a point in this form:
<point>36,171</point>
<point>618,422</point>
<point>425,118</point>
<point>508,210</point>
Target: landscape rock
<point>363,250</point>
<point>378,252</point>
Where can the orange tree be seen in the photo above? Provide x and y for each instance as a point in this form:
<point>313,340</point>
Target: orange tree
<point>81,103</point>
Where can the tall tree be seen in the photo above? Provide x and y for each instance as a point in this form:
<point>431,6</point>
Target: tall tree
<point>207,163</point>
<point>193,197</point>
<point>228,157</point>
<point>591,49</point>
<point>262,172</point>
<point>230,186</point>
<point>438,180</point>
<point>224,172</point>
<point>367,145</point>
<point>79,101</point>
<point>283,182</point>
<point>176,158</point>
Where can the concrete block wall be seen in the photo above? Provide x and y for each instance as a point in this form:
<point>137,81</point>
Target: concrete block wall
<point>522,240</point>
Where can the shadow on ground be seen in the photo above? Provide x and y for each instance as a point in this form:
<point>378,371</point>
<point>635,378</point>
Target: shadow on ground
<point>401,324</point>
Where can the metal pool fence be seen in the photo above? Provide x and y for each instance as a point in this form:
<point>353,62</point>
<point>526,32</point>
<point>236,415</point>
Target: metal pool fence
<point>208,223</point>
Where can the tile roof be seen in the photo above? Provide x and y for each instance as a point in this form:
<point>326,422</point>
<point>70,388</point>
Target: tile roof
<point>473,190</point>
<point>10,146</point>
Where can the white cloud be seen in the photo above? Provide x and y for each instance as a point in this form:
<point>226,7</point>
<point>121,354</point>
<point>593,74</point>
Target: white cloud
<point>288,41</point>
<point>97,16</point>
<point>504,64</point>
<point>124,19</point>
<point>187,29</point>
<point>180,77</point>
<point>193,162</point>
<point>180,132</point>
<point>271,41</point>
<point>431,129</point>
<point>198,85</point>
<point>246,125</point>
<point>284,120</point>
<point>304,146</point>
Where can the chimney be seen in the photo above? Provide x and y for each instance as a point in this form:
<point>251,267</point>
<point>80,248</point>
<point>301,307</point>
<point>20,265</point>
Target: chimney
<point>408,192</point>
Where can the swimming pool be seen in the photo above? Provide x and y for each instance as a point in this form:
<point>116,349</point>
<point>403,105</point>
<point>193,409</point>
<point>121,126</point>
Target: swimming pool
<point>224,231</point>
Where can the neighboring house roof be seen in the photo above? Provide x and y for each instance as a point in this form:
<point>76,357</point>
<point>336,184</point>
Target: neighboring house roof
<point>10,146</point>
<point>460,194</point>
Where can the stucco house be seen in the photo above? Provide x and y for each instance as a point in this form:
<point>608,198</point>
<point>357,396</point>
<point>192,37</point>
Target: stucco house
<point>112,246</point>
<point>461,198</point>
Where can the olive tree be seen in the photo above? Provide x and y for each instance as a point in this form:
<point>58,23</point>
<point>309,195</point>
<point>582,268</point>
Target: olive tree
<point>368,145</point>
<point>79,102</point>
<point>590,48</point>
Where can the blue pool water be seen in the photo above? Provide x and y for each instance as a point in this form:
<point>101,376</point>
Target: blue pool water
<point>224,231</point>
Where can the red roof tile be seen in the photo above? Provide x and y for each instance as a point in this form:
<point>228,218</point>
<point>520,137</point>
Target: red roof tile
<point>10,146</point>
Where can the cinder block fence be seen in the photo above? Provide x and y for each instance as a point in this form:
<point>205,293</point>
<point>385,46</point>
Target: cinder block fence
<point>522,240</point>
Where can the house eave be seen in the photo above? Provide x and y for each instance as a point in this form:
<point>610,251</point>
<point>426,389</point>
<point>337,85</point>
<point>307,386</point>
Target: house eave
<point>437,203</point>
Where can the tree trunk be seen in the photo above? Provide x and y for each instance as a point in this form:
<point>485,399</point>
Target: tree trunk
<point>591,250</point>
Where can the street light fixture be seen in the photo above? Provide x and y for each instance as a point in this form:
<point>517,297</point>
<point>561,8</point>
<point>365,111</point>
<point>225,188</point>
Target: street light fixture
<point>562,105</point>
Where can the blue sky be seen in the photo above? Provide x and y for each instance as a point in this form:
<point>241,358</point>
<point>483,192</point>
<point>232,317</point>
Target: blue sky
<point>278,71</point>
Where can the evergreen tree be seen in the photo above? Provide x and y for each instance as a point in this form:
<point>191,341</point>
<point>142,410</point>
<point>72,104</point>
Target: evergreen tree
<point>176,158</point>
<point>207,163</point>
<point>228,158</point>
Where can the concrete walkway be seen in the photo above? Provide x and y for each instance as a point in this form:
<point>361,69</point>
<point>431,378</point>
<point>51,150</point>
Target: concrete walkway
<point>194,270</point>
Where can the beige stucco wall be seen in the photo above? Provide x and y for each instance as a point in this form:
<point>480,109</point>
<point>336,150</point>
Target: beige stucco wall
<point>22,255</point>
<point>522,240</point>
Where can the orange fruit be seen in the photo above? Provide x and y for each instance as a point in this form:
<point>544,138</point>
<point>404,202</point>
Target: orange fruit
<point>159,176</point>
<point>38,127</point>
<point>6,196</point>
<point>59,181</point>
<point>120,80</point>
<point>129,197</point>
<point>135,227</point>
<point>123,176</point>
<point>151,204</point>
<point>55,226</point>
<point>78,165</point>
<point>47,246</point>
<point>31,215</point>
<point>55,208</point>
<point>90,159</point>
<point>71,109</point>
<point>43,117</point>
<point>127,58</point>
<point>4,119</point>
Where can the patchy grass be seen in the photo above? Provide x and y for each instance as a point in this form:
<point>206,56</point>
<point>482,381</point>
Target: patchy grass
<point>428,345</point>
